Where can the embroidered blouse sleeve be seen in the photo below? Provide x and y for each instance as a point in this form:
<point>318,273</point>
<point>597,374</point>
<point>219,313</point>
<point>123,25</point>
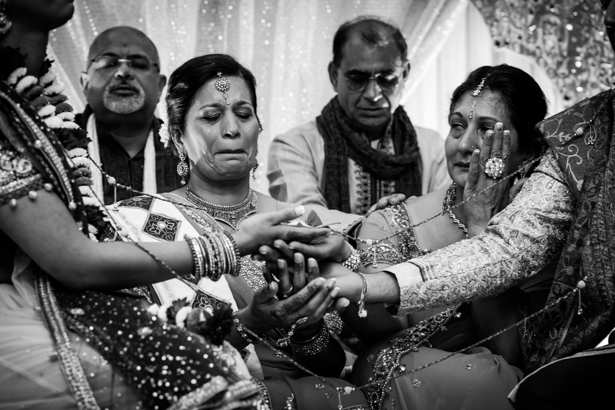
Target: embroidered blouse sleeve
<point>17,175</point>
<point>517,243</point>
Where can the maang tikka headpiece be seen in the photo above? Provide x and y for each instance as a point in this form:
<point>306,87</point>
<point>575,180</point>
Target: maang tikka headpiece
<point>476,93</point>
<point>223,85</point>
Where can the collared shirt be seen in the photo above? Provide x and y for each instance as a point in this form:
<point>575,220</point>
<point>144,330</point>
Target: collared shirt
<point>296,170</point>
<point>129,171</point>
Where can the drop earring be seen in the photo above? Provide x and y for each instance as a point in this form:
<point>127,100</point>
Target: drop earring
<point>5,23</point>
<point>182,167</point>
<point>255,166</point>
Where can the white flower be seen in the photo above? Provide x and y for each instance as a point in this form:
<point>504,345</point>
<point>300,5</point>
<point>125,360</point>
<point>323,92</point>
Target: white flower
<point>164,135</point>
<point>47,79</point>
<point>69,125</point>
<point>182,315</point>
<point>53,89</point>
<point>82,162</point>
<point>46,111</point>
<point>162,312</point>
<point>26,82</point>
<point>88,200</point>
<point>16,75</point>
<point>92,229</point>
<point>66,116</point>
<point>85,191</point>
<point>153,309</point>
<point>77,152</point>
<point>53,122</point>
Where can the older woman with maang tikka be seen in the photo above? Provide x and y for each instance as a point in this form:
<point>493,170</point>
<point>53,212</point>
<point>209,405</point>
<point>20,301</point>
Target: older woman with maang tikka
<point>213,124</point>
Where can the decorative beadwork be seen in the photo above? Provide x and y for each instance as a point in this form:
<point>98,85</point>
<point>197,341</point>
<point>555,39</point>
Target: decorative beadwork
<point>353,261</point>
<point>314,345</point>
<point>388,360</point>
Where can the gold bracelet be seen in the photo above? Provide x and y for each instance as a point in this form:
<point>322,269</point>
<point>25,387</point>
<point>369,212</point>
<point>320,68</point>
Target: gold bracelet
<point>361,303</point>
<point>353,261</point>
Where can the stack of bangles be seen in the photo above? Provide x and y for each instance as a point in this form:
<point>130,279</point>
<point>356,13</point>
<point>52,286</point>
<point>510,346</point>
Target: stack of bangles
<point>314,345</point>
<point>214,255</point>
<point>353,263</point>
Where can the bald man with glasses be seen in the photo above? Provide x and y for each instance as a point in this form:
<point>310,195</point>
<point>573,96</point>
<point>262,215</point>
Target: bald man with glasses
<point>363,146</point>
<point>123,84</point>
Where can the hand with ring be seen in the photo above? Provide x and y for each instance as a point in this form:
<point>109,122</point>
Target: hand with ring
<point>266,311</point>
<point>487,167</point>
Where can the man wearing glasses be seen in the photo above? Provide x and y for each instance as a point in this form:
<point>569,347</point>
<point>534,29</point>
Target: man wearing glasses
<point>123,84</point>
<point>363,145</point>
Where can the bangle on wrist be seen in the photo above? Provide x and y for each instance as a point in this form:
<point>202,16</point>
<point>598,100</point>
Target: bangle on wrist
<point>314,345</point>
<point>353,261</point>
<point>361,303</point>
<point>197,258</point>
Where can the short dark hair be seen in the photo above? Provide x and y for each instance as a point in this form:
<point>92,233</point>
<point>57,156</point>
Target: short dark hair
<point>190,76</point>
<point>372,30</point>
<point>524,101</point>
<point>93,47</point>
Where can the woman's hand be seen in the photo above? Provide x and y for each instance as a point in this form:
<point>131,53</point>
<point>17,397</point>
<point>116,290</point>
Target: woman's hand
<point>349,282</point>
<point>481,208</point>
<point>263,229</point>
<point>332,247</point>
<point>394,199</point>
<point>266,311</point>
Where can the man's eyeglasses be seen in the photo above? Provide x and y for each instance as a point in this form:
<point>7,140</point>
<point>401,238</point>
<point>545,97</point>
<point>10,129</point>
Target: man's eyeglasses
<point>386,82</point>
<point>102,63</point>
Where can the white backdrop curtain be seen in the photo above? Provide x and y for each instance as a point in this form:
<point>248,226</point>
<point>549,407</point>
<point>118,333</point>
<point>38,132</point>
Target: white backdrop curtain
<point>287,45</point>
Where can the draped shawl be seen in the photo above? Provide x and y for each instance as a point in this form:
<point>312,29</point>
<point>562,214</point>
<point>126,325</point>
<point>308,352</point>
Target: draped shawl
<point>342,141</point>
<point>579,323</point>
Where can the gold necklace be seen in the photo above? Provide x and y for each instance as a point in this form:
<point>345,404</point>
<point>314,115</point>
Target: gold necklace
<point>231,215</point>
<point>449,201</point>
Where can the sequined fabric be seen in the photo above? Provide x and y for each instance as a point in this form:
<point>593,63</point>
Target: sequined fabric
<point>388,361</point>
<point>163,362</point>
<point>518,242</point>
<point>397,249</point>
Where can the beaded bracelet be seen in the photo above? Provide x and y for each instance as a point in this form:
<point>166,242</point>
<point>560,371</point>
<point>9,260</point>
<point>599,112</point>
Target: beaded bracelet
<point>353,261</point>
<point>265,403</point>
<point>361,303</point>
<point>314,345</point>
<point>239,327</point>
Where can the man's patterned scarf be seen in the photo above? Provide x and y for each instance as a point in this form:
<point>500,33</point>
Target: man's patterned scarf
<point>343,142</point>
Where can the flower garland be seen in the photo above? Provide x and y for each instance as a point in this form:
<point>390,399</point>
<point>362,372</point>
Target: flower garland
<point>44,94</point>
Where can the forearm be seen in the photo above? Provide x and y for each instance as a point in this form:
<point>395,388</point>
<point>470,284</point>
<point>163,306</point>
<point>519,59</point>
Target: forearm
<point>518,242</point>
<point>45,231</point>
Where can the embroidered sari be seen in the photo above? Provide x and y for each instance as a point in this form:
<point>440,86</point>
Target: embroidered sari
<point>63,349</point>
<point>480,377</point>
<point>157,219</point>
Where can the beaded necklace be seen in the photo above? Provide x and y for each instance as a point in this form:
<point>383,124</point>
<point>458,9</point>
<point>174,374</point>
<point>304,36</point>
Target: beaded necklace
<point>231,215</point>
<point>449,201</point>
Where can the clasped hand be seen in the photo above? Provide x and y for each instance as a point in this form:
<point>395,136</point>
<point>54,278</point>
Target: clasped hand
<point>284,301</point>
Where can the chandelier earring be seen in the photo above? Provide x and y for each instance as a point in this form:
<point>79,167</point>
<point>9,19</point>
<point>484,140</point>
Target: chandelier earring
<point>5,23</point>
<point>255,166</point>
<point>182,168</point>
